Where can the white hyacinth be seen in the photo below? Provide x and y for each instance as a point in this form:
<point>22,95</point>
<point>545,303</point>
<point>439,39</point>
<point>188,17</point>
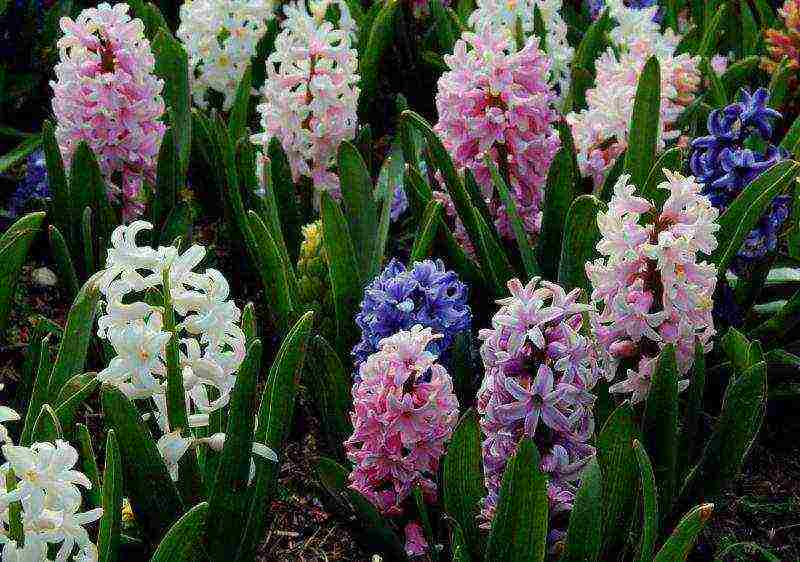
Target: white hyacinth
<point>310,95</point>
<point>220,37</point>
<point>503,15</point>
<point>46,485</point>
<point>211,341</point>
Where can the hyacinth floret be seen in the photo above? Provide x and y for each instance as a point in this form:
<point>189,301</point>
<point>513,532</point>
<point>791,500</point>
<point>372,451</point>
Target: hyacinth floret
<point>540,372</point>
<point>401,297</point>
<point>211,341</point>
<point>503,16</point>
<point>650,287</point>
<point>107,95</point>
<point>33,185</point>
<point>784,43</point>
<point>495,102</point>
<point>221,37</point>
<point>725,162</point>
<point>311,93</point>
<point>601,130</point>
<point>404,413</point>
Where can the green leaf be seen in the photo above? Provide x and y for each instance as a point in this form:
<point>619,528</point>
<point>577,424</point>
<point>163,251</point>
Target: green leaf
<point>172,66</point>
<point>718,95</point>
<point>237,121</point>
<point>523,242</point>
<point>736,429</point>
<point>47,427</point>
<point>426,231</point>
<point>581,235</point>
<point>738,73</point>
<point>618,463</point>
<point>660,426</point>
<point>228,499</point>
<point>67,405</point>
<point>682,540</point>
<point>519,529</point>
<point>66,270</point>
<point>184,537</point>
<point>330,387</point>
<point>77,335</point>
<point>87,189</point>
<point>167,186</point>
<point>584,535</point>
<point>345,280</point>
<point>745,211</point>
<point>274,275</point>
<point>39,394</point>
<point>650,512</point>
<point>19,153</point>
<point>89,464</point>
<point>559,195</point>
<point>779,83</point>
<point>750,34</point>
<point>88,243</point>
<point>111,522</point>
<point>380,37</point>
<point>736,347</point>
<point>694,409</point>
<point>14,246</point>
<point>153,496</point>
<point>272,428</point>
<point>462,480</point>
<point>645,126</point>
<point>358,205</point>
<point>779,326</point>
<point>57,178</point>
<point>446,33</point>
<point>583,65</point>
<point>712,34</point>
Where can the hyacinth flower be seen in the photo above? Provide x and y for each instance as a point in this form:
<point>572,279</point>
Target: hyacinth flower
<point>784,42</point>
<point>596,7</point>
<point>400,298</point>
<point>404,413</point>
<point>107,95</point>
<point>601,130</point>
<point>220,37</point>
<point>650,287</point>
<point>313,280</point>
<point>725,162</point>
<point>503,15</point>
<point>311,93</point>
<point>34,185</point>
<point>494,102</point>
<point>539,374</point>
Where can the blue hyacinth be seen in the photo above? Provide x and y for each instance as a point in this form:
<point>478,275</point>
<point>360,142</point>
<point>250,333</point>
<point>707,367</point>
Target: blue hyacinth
<point>727,160</point>
<point>33,186</point>
<point>596,7</point>
<point>400,298</point>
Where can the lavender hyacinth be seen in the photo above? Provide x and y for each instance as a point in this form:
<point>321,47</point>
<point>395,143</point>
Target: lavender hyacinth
<point>596,7</point>
<point>400,298</point>
<point>33,186</point>
<point>725,162</point>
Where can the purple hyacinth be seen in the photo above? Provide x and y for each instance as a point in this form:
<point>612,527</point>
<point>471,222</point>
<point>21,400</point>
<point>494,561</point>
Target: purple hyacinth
<point>596,7</point>
<point>33,186</point>
<point>726,161</point>
<point>400,298</point>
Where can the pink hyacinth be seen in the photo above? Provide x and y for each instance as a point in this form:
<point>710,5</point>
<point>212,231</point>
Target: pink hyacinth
<point>495,101</point>
<point>785,42</point>
<point>540,371</point>
<point>650,287</point>
<point>404,412</point>
<point>105,94</point>
<point>601,130</point>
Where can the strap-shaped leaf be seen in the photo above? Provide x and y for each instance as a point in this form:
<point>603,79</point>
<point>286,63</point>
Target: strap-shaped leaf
<point>645,128</point>
<point>228,499</point>
<point>64,265</point>
<point>558,197</point>
<point>712,33</point>
<point>519,529</point>
<point>380,37</point>
<point>89,464</point>
<point>358,204</point>
<point>738,73</point>
<point>47,426</point>
<point>330,385</point>
<point>153,496</point>
<point>111,522</point>
<point>736,429</point>
<point>584,535</point>
<point>19,153</point>
<point>77,335</point>
<point>274,276</point>
<point>462,480</point>
<point>583,67</point>
<point>172,66</point>
<point>345,280</point>
<point>39,392</point>
<point>660,426</point>
<point>683,538</point>
<point>694,410</point>
<point>275,414</point>
<point>750,37</point>
<point>650,513</point>
<point>581,236</point>
<point>672,160</point>
<point>736,347</point>
<point>237,121</point>
<point>167,178</point>
<point>184,537</point>
<point>14,246</point>
<point>620,469</point>
<point>426,231</point>
<point>776,328</point>
<point>68,403</point>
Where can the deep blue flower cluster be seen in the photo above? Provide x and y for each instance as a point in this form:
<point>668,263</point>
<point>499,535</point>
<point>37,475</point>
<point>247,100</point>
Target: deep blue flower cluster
<point>737,150</point>
<point>400,298</point>
<point>596,7</point>
<point>33,186</point>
